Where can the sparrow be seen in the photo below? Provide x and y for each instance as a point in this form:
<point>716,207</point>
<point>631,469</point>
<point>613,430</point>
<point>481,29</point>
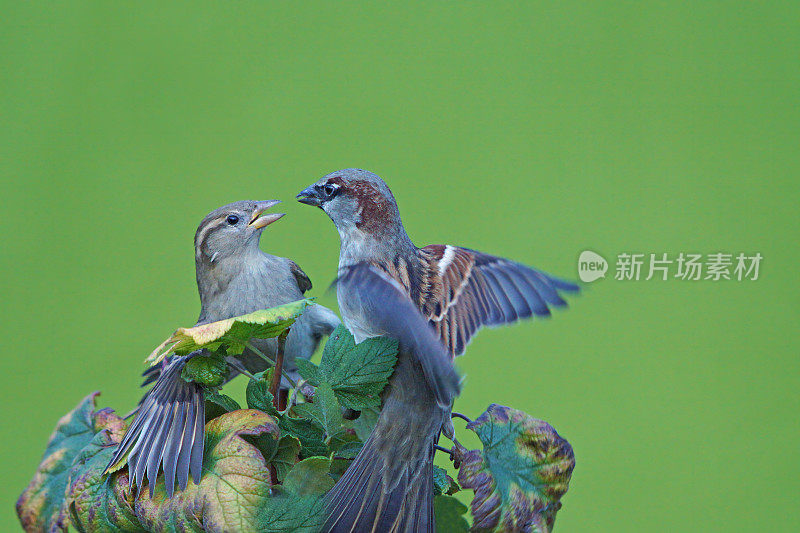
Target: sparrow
<point>234,277</point>
<point>432,300</point>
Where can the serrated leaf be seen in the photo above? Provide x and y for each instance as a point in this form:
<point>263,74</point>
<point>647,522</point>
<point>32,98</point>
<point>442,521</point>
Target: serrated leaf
<point>258,395</point>
<point>520,475</point>
<point>325,410</point>
<point>298,506</point>
<point>235,482</point>
<point>41,506</point>
<point>231,334</point>
<point>357,373</point>
<point>289,512</point>
<point>218,404</point>
<point>308,371</point>
<point>309,433</point>
<point>449,515</point>
<point>309,477</point>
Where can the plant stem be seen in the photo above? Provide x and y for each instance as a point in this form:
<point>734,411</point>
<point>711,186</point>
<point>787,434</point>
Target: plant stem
<point>293,397</point>
<point>459,415</point>
<point>240,368</point>
<point>276,374</point>
<point>266,358</point>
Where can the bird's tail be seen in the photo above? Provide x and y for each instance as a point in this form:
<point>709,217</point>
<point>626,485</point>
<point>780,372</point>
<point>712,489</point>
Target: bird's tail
<point>169,429</point>
<point>389,485</point>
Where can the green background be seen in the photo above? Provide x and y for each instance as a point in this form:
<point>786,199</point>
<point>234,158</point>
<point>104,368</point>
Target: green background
<point>529,131</point>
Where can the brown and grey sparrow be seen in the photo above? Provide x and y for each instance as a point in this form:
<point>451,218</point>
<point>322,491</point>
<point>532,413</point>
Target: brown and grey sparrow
<point>433,300</point>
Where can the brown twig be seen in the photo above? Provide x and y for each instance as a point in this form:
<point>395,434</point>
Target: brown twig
<point>278,371</point>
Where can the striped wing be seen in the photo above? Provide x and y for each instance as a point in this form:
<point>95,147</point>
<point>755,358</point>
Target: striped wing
<point>465,289</point>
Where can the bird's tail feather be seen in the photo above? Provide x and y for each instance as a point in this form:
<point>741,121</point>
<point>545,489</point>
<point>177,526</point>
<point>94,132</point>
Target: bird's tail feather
<point>367,498</point>
<point>168,430</point>
<point>389,485</point>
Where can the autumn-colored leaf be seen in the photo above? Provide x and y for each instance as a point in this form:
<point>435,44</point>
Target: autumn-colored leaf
<point>232,333</point>
<point>96,502</point>
<point>520,475</point>
<point>235,482</point>
<point>41,505</point>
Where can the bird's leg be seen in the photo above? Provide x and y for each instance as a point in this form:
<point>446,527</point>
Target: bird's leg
<point>442,449</point>
<point>448,430</point>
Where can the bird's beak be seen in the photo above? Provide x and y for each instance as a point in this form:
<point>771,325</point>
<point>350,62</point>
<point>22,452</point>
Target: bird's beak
<point>258,220</point>
<point>310,196</point>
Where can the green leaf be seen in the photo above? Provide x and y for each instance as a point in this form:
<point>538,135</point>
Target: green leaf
<point>41,506</point>
<point>219,404</point>
<point>345,443</point>
<point>308,371</point>
<point>449,515</point>
<point>210,370</point>
<point>235,482</point>
<point>289,512</point>
<point>325,410</point>
<point>281,454</point>
<point>258,395</point>
<point>443,483</point>
<point>349,450</point>
<point>310,435</point>
<point>357,373</point>
<point>520,475</point>
<point>285,456</point>
<point>231,334</point>
<point>297,506</point>
<point>309,477</point>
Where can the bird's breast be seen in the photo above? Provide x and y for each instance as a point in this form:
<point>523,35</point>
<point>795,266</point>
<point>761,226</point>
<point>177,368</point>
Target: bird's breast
<point>355,319</point>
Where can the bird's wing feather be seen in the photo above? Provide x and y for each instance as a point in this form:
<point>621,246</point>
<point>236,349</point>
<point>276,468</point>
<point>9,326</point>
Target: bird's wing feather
<point>463,289</point>
<point>303,281</point>
<point>391,311</point>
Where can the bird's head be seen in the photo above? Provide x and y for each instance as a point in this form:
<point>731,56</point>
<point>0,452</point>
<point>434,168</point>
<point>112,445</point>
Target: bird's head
<point>233,229</point>
<point>354,199</point>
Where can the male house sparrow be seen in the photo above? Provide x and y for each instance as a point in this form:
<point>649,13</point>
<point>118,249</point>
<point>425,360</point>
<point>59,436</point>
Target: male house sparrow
<point>234,277</point>
<point>432,300</point>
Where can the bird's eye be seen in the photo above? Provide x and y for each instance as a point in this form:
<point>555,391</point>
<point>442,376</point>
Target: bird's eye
<point>232,220</point>
<point>329,190</point>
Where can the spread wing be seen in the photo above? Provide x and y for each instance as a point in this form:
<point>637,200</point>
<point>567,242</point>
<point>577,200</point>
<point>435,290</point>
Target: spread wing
<point>465,289</point>
<point>373,293</point>
<point>303,281</point>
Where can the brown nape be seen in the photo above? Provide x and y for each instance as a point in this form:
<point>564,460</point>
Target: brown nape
<point>376,209</point>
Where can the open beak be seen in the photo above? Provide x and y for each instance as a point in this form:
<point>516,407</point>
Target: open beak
<point>259,220</point>
<point>310,196</point>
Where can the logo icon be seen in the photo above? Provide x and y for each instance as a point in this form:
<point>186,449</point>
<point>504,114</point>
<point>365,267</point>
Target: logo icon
<point>591,266</point>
